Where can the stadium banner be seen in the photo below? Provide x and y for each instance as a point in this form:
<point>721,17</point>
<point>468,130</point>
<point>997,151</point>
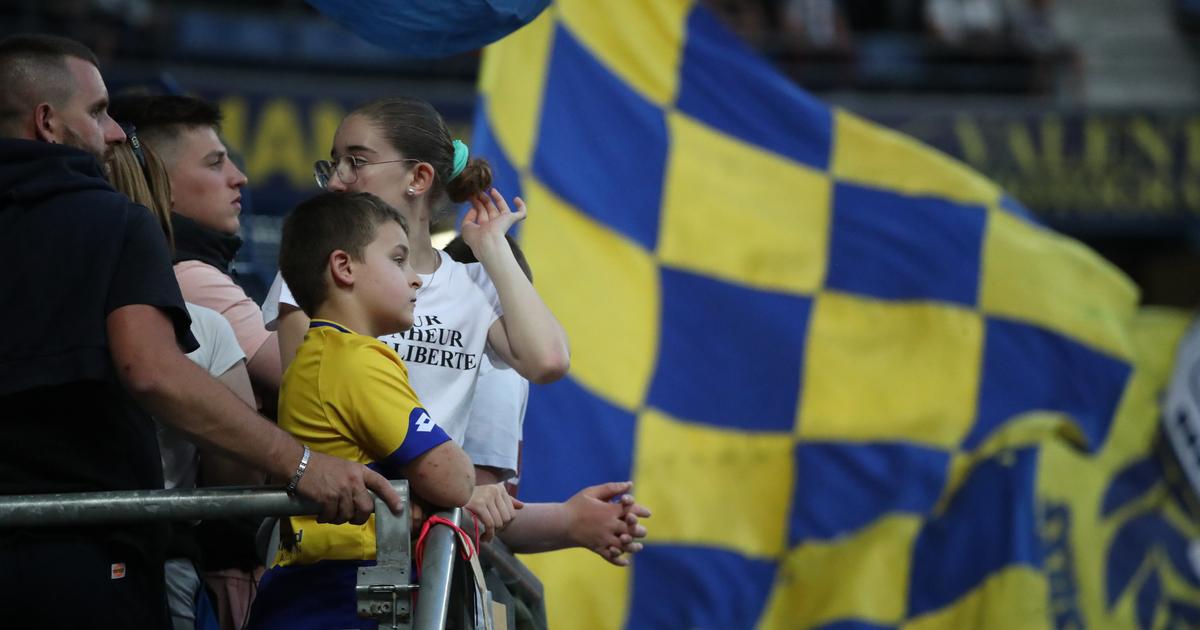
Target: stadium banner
<point>1114,172</point>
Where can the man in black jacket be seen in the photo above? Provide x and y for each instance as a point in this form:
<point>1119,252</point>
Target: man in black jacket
<point>92,336</point>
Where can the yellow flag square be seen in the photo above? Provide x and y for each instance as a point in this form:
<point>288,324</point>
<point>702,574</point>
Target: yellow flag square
<point>645,52</point>
<point>719,219</point>
<point>1034,275</point>
<point>863,576</point>
<point>603,288</point>
<point>877,371</point>
<point>743,503</point>
<point>872,155</point>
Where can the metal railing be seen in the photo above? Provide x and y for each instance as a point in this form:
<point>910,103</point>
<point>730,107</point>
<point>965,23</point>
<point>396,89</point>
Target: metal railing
<point>384,590</point>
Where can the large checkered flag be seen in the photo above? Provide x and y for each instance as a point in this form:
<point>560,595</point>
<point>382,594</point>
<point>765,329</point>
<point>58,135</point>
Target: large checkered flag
<point>827,355</point>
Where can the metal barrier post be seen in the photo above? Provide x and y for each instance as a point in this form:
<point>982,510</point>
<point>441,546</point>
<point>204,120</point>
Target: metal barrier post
<point>437,570</point>
<point>384,591</point>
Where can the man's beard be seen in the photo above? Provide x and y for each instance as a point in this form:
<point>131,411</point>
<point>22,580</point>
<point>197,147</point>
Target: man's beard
<point>72,139</point>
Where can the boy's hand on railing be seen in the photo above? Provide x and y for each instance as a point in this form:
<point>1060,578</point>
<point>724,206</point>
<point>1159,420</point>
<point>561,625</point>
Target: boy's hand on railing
<point>340,487</point>
<point>604,518</point>
<point>494,508</point>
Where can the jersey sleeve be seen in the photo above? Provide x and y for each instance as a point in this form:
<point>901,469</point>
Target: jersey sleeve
<point>384,416</point>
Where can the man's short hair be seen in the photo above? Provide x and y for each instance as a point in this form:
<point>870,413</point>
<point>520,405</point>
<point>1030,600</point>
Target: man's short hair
<point>161,119</point>
<point>320,226</point>
<point>33,70</point>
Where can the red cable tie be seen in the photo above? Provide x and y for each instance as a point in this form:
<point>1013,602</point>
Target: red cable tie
<point>466,550</point>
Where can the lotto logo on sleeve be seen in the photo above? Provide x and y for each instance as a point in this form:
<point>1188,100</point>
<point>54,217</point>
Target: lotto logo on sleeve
<point>419,419</point>
<point>117,571</point>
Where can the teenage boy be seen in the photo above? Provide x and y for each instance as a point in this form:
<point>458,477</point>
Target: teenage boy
<point>345,257</point>
<point>206,190</point>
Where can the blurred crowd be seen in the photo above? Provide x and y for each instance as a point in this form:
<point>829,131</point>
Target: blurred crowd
<point>913,45</point>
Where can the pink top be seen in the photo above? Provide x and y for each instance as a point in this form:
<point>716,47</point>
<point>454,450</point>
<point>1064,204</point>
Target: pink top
<point>205,285</point>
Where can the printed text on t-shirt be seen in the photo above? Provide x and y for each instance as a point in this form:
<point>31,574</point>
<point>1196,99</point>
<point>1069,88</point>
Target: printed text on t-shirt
<point>427,329</point>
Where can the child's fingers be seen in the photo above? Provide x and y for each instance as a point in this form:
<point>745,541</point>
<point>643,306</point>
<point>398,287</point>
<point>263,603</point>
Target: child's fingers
<point>521,210</point>
<point>484,216</point>
<point>488,205</point>
<point>506,510</point>
<point>498,200</point>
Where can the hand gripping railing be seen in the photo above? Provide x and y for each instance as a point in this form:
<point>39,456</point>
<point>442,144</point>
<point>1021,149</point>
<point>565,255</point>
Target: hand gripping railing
<point>384,590</point>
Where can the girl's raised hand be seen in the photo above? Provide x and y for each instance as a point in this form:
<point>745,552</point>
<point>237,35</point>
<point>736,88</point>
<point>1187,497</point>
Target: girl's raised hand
<point>490,218</point>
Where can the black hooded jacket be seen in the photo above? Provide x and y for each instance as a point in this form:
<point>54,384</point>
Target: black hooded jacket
<point>73,250</point>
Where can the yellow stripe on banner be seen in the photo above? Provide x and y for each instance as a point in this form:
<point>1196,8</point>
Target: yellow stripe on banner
<point>1033,275</point>
<point>714,487</point>
<point>872,155</point>
<point>638,40</point>
<point>614,337</point>
<point>583,592</point>
<point>1012,598</point>
<point>780,232</point>
<point>911,366</point>
<point>512,76</point>
<point>859,577</point>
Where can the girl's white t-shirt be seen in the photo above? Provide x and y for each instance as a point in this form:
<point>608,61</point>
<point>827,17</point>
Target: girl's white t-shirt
<point>456,305</point>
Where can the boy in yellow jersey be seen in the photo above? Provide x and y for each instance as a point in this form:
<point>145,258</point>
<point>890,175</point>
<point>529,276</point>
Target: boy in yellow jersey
<point>345,257</point>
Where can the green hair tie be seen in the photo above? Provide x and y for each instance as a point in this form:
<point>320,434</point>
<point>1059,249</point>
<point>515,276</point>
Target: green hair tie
<point>461,153</point>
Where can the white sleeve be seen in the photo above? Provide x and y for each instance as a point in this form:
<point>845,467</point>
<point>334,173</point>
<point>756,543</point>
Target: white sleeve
<point>279,293</point>
<point>493,433</point>
<point>219,348</point>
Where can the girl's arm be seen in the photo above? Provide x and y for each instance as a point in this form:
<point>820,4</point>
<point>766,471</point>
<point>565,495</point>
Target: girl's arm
<point>603,518</point>
<point>527,337</point>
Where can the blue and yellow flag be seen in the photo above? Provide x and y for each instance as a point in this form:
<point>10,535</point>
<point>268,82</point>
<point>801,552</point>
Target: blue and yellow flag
<point>848,374</point>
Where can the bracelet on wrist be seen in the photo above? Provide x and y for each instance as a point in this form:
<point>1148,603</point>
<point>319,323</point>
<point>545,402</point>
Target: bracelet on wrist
<point>292,485</point>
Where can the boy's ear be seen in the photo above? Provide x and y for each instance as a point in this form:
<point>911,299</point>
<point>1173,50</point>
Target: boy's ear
<point>341,267</point>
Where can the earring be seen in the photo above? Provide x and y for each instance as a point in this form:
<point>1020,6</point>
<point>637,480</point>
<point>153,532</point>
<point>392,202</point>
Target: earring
<point>411,191</point>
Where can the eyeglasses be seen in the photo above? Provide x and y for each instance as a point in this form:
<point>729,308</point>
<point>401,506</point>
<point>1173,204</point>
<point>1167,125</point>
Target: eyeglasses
<point>346,169</point>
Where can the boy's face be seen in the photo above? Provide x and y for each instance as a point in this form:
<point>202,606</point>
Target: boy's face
<point>206,185</point>
<point>387,285</point>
